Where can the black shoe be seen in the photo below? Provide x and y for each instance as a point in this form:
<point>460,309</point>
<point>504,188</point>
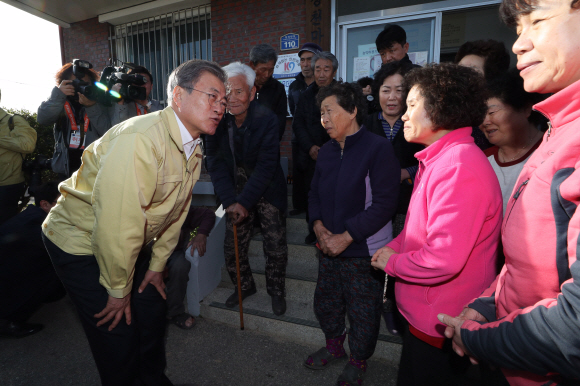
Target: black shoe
<point>18,329</point>
<point>310,239</point>
<point>351,376</point>
<point>296,212</point>
<point>278,305</point>
<point>233,299</point>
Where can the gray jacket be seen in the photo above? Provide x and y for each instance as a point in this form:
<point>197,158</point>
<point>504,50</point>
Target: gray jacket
<point>119,113</point>
<point>51,112</point>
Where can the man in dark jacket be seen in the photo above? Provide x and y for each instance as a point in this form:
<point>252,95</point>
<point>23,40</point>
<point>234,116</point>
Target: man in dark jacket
<point>27,277</point>
<point>309,132</point>
<point>303,80</point>
<point>392,44</point>
<point>269,92</point>
<point>243,160</point>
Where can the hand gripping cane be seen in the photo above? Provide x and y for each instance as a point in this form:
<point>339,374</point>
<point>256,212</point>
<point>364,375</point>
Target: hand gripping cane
<point>238,275</point>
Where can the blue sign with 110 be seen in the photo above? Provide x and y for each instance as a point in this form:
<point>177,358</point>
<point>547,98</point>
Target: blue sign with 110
<point>289,42</point>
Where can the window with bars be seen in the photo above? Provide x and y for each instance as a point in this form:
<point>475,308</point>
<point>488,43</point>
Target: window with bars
<point>163,42</point>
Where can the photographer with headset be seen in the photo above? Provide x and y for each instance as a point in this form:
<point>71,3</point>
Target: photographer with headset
<point>125,109</point>
<point>78,121</point>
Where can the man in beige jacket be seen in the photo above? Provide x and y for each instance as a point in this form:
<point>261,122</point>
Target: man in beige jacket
<point>17,139</point>
<point>133,187</point>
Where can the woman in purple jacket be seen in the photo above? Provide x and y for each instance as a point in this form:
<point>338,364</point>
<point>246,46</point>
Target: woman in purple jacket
<point>446,253</point>
<point>353,196</point>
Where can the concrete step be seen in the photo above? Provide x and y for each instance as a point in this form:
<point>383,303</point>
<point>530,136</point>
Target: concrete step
<point>298,324</point>
<point>297,224</point>
<point>297,287</point>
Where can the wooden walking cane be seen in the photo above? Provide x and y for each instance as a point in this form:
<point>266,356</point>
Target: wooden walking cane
<point>239,279</point>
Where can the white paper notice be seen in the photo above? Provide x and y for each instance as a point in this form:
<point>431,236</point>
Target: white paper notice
<point>361,67</point>
<point>419,57</point>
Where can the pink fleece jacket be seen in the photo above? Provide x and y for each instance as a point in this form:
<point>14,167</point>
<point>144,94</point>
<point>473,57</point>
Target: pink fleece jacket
<point>446,254</point>
<point>534,304</point>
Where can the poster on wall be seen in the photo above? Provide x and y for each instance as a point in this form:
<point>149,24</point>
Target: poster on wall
<point>369,61</point>
<point>453,30</point>
<point>287,66</point>
<point>367,56</point>
<point>286,70</point>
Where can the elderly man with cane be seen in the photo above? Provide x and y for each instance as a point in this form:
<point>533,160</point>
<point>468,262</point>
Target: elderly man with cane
<point>133,188</point>
<point>243,160</point>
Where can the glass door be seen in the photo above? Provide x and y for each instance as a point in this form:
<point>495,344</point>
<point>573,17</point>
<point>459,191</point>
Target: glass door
<point>358,55</point>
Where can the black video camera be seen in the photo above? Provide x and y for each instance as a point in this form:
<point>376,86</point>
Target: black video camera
<point>102,91</point>
<point>130,84</point>
<point>81,70</point>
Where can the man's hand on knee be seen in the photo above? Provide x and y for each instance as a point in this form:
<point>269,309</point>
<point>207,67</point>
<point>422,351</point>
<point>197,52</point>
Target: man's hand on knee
<point>156,279</point>
<point>115,308</point>
<point>198,242</point>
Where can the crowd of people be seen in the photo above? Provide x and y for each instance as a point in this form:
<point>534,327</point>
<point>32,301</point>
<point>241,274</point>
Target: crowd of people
<point>440,198</point>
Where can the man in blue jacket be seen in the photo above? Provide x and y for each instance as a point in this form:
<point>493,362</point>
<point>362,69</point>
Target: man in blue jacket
<point>243,160</point>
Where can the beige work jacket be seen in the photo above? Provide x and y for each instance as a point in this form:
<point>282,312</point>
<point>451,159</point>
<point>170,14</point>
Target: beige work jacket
<point>134,186</point>
<point>13,145</point>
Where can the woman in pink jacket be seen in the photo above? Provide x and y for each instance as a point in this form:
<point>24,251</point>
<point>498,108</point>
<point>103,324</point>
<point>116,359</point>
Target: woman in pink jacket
<point>446,254</point>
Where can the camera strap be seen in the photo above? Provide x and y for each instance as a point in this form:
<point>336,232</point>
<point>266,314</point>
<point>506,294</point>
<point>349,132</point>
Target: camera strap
<point>77,137</point>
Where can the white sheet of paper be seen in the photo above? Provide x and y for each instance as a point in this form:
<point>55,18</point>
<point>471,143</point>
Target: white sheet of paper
<point>361,67</point>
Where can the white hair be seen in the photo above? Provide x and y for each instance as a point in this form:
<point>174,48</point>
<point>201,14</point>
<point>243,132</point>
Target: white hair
<point>237,68</point>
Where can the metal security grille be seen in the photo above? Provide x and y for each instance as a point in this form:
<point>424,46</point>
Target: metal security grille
<point>163,42</point>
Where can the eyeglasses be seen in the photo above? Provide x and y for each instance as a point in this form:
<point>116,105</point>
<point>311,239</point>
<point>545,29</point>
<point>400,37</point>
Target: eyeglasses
<point>211,98</point>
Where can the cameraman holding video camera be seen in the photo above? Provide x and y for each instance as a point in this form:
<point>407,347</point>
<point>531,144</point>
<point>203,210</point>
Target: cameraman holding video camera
<point>125,108</point>
<point>78,121</point>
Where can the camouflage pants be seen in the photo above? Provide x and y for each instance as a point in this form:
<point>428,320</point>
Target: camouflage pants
<point>350,286</point>
<point>273,226</point>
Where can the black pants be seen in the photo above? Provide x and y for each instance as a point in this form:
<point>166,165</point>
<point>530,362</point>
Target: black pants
<point>9,196</point>
<point>129,354</point>
<point>350,286</point>
<point>299,187</point>
<point>308,176</point>
<point>423,364</point>
<point>176,284</point>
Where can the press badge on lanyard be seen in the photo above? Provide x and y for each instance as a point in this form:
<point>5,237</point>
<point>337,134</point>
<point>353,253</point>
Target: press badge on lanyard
<point>75,134</point>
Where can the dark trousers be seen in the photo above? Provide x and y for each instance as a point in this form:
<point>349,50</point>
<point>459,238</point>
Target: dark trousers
<point>9,196</point>
<point>176,284</point>
<point>129,354</point>
<point>299,187</point>
<point>308,176</point>
<point>273,227</point>
<point>423,364</point>
<point>350,286</point>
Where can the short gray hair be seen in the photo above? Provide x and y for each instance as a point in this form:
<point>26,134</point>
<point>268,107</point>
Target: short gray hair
<point>263,53</point>
<point>188,74</point>
<point>325,55</point>
<point>237,68</point>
